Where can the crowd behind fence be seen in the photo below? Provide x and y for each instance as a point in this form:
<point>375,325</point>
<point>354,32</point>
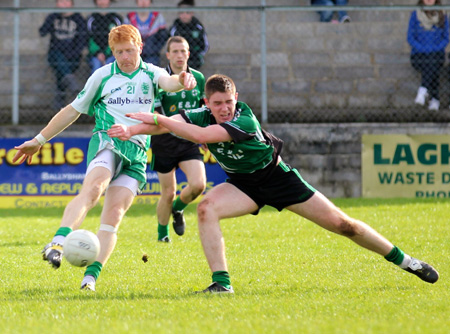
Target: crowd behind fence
<point>287,65</point>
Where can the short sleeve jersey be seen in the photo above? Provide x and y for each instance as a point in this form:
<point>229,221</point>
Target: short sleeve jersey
<point>109,94</point>
<point>172,103</point>
<point>248,151</point>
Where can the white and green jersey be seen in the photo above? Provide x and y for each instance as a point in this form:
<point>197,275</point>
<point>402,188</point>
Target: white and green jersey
<point>109,94</point>
<point>251,148</point>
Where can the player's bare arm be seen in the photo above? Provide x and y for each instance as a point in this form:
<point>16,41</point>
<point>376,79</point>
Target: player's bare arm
<point>58,123</point>
<point>124,132</point>
<point>175,83</point>
<point>191,132</point>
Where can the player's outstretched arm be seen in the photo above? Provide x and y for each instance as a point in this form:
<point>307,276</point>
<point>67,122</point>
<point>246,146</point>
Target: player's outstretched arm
<point>191,132</point>
<point>175,83</point>
<point>124,132</point>
<point>58,123</point>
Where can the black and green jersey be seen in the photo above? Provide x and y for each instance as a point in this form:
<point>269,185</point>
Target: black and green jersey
<point>169,104</point>
<point>251,150</point>
<point>172,103</point>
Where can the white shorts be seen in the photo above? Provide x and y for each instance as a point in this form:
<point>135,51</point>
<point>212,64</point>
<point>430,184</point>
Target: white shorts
<point>107,159</point>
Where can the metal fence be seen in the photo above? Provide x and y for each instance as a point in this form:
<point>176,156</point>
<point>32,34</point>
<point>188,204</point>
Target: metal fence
<point>288,66</point>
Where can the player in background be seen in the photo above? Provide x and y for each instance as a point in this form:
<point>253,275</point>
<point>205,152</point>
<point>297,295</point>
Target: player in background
<point>128,85</point>
<point>258,176</point>
<point>170,152</point>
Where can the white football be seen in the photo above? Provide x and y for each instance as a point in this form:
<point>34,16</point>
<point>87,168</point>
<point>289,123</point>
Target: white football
<point>81,248</point>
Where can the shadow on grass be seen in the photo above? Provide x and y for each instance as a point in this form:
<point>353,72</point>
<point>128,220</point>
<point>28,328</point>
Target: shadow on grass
<point>140,209</point>
<point>17,244</point>
<point>70,294</point>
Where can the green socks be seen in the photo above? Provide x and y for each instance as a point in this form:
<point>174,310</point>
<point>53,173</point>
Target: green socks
<point>178,205</point>
<point>398,257</point>
<point>222,277</point>
<point>163,231</point>
<point>94,269</point>
<point>64,231</point>
<point>61,234</point>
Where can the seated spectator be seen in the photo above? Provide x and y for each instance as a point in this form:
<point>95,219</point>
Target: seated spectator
<point>327,16</point>
<point>152,27</point>
<point>189,27</point>
<point>67,40</point>
<point>98,26</point>
<point>428,36</point>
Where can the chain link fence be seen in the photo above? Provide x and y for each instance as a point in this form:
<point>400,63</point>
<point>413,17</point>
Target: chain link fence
<point>287,65</point>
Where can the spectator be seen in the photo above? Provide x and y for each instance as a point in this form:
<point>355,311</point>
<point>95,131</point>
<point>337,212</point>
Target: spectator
<point>189,27</point>
<point>67,40</point>
<point>327,15</point>
<point>152,27</point>
<point>428,36</point>
<point>99,25</point>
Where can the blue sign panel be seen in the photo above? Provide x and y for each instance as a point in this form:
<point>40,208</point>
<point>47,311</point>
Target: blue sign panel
<point>59,169</point>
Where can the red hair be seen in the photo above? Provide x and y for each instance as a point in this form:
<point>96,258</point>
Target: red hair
<point>123,34</point>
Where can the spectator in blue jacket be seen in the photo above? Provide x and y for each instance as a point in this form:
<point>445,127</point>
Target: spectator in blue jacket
<point>152,26</point>
<point>428,35</point>
<point>68,38</point>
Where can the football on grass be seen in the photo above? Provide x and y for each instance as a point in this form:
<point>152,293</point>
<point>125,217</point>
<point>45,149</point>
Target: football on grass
<point>81,248</point>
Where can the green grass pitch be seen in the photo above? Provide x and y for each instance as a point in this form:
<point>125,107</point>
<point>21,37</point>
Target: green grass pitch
<point>289,276</point>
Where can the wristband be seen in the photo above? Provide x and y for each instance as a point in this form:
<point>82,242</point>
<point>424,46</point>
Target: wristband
<point>41,139</point>
<point>155,119</point>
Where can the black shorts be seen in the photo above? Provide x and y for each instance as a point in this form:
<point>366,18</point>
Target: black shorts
<point>162,164</point>
<point>284,187</point>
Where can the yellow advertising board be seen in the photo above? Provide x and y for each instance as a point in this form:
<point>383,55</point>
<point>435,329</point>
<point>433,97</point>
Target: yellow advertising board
<point>36,202</point>
<point>406,166</point>
<point>57,171</point>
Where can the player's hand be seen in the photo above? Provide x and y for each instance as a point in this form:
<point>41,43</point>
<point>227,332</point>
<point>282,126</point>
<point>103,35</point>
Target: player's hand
<point>187,80</point>
<point>143,117</point>
<point>119,131</point>
<point>26,151</point>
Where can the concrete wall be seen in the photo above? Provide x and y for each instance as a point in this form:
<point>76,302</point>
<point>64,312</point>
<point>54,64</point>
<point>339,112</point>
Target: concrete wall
<point>327,155</point>
<point>123,3</point>
<point>311,66</point>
